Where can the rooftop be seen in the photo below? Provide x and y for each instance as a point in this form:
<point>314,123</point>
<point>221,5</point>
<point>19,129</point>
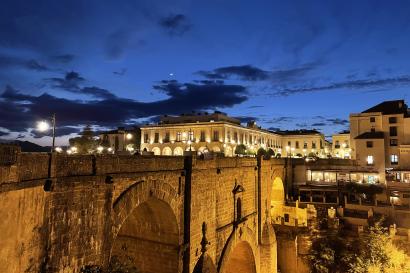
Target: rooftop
<point>371,135</point>
<point>299,132</point>
<point>389,107</point>
<point>198,117</point>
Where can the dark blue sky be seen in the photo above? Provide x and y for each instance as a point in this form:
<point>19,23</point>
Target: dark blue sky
<point>289,64</point>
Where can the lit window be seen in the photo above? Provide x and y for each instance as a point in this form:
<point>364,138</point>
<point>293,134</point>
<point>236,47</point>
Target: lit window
<point>394,159</point>
<point>369,144</point>
<point>370,160</point>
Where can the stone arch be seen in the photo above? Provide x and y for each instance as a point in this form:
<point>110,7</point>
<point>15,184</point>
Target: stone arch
<point>192,148</point>
<point>239,254</point>
<point>178,151</point>
<point>166,151</point>
<point>156,151</point>
<point>146,227</point>
<point>277,192</point>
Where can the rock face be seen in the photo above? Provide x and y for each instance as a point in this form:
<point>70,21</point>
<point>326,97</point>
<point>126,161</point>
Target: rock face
<point>59,213</point>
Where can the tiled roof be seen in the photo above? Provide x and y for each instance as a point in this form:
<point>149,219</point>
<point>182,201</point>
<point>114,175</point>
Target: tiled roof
<point>389,107</point>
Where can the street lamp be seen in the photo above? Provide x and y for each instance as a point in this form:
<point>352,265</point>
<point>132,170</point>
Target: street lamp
<point>43,126</point>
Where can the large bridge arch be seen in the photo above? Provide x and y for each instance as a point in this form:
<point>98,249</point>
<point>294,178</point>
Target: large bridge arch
<point>277,196</point>
<point>240,253</point>
<point>147,228</point>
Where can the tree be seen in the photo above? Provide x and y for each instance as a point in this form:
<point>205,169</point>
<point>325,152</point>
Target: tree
<point>270,153</point>
<point>261,152</point>
<point>240,149</point>
<point>85,143</point>
<point>376,252</point>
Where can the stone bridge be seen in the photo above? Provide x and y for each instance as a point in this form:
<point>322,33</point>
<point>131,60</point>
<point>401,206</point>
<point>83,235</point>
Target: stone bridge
<point>166,214</point>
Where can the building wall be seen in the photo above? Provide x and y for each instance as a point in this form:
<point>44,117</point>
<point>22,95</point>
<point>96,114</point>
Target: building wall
<point>295,145</point>
<point>341,147</point>
<point>229,136</point>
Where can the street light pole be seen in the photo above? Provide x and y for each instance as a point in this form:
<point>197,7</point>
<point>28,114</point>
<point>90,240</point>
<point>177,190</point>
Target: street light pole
<point>53,121</point>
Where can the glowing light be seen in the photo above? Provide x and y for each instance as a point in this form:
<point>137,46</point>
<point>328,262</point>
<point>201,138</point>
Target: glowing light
<point>129,136</point>
<point>58,149</point>
<point>69,152</point>
<point>43,126</point>
<point>100,149</point>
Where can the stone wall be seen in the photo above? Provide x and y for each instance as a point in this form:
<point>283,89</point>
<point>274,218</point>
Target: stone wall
<point>79,219</point>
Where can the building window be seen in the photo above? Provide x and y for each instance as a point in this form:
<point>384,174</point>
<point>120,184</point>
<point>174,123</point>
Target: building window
<point>156,138</point>
<point>313,145</point>
<point>297,145</point>
<point>305,145</point>
<point>202,136</point>
<point>394,159</point>
<point>393,131</point>
<point>372,130</point>
<point>369,144</point>
<point>235,136</point>
<point>238,209</point>
<point>392,120</point>
<point>289,143</point>
<point>370,160</point>
<point>145,138</point>
<point>346,144</point>
<point>166,138</point>
<point>179,134</point>
<point>393,142</point>
<point>216,136</point>
<point>191,135</point>
<point>372,119</point>
<point>337,145</point>
<point>286,218</point>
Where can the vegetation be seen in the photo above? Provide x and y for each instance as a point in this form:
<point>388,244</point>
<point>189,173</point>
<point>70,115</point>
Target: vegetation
<point>240,149</point>
<point>371,252</point>
<point>270,153</point>
<point>261,152</point>
<point>86,142</point>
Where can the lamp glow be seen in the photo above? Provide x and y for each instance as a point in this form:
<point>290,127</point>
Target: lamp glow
<point>129,136</point>
<point>43,126</point>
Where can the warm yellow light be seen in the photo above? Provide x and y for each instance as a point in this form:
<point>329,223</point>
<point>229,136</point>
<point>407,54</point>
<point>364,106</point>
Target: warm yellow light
<point>109,149</point>
<point>184,135</point>
<point>100,149</point>
<point>74,149</point>
<point>129,136</point>
<point>58,149</point>
<point>69,152</point>
<point>42,126</point>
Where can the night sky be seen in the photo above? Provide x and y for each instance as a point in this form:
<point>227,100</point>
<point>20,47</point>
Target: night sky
<point>287,64</point>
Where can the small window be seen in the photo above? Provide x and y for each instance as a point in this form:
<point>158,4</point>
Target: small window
<point>191,135</point>
<point>297,144</point>
<point>370,160</point>
<point>372,119</point>
<point>166,138</point>
<point>216,136</point>
<point>145,138</point>
<point>179,136</point>
<point>373,130</point>
<point>202,136</point>
<point>156,137</point>
<point>406,195</point>
<point>393,142</point>
<point>286,218</point>
<point>394,159</point>
<point>305,145</point>
<point>393,131</point>
<point>369,144</point>
<point>238,209</point>
<point>392,120</point>
<point>313,145</point>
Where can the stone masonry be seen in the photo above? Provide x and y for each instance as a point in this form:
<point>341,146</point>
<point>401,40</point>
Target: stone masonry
<point>59,213</point>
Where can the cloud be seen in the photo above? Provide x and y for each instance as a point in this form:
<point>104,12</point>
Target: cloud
<point>372,84</point>
<point>175,24</point>
<point>31,64</point>
<point>111,111</point>
<point>280,120</point>
<point>338,121</point>
<point>252,73</point>
<point>121,72</point>
<point>116,43</point>
<point>318,124</point>
<point>72,82</point>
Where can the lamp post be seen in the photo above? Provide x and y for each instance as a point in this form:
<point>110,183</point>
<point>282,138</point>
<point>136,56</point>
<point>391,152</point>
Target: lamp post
<point>43,126</point>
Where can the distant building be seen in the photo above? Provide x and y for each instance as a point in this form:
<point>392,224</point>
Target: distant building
<point>302,143</point>
<point>341,145</point>
<point>203,132</point>
<point>380,139</point>
<point>121,140</point>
